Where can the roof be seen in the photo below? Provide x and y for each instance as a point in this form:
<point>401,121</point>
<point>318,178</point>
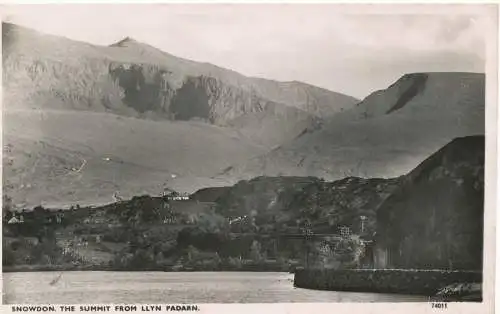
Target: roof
<point>13,220</point>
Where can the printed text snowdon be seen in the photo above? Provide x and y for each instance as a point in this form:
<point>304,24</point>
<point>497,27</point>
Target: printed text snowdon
<point>105,308</point>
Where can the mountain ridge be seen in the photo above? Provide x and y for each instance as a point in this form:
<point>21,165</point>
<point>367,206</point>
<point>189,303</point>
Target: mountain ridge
<point>267,89</point>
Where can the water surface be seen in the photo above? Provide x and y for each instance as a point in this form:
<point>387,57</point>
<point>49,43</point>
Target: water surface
<point>172,287</point>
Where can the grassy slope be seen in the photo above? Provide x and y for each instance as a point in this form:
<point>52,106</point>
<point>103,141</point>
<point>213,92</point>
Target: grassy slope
<point>366,141</point>
<point>143,155</point>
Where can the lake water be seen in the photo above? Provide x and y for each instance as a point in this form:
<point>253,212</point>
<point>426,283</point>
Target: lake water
<point>159,287</point>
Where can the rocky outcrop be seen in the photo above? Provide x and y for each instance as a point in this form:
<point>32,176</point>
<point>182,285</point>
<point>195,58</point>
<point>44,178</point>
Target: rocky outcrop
<point>290,202</point>
<point>159,90</point>
<point>329,205</point>
<point>434,219</point>
<point>209,99</point>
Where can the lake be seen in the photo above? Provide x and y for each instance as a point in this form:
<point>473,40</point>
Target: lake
<point>172,287</point>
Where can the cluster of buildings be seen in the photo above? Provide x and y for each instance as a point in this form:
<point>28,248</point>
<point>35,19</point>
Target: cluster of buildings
<point>176,196</point>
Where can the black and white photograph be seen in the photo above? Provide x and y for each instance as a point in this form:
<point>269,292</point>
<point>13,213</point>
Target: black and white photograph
<point>195,154</point>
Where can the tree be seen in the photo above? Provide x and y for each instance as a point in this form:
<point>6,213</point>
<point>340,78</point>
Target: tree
<point>39,215</point>
<point>255,251</point>
<point>349,252</point>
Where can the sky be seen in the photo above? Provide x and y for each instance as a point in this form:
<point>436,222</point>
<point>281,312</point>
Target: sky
<point>351,49</point>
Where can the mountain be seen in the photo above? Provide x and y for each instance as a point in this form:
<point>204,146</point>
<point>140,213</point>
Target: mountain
<point>45,71</point>
<point>434,218</point>
<point>83,121</point>
<point>385,135</point>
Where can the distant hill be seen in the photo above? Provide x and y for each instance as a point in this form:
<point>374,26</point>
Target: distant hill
<point>139,117</point>
<point>385,135</point>
<point>434,219</point>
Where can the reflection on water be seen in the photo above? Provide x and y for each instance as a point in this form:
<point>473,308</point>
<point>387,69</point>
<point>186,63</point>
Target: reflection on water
<point>163,288</point>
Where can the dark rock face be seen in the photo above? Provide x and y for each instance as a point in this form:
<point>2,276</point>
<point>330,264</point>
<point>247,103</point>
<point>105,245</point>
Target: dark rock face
<point>262,196</point>
<point>289,202</point>
<point>151,88</point>
<point>434,220</point>
<point>191,101</point>
<point>342,203</point>
<point>411,85</point>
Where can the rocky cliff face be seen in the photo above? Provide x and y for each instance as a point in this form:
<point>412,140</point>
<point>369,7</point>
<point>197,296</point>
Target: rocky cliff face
<point>135,79</point>
<point>151,88</point>
<point>434,219</point>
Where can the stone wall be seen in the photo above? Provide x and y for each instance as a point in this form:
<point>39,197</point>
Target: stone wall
<point>420,282</point>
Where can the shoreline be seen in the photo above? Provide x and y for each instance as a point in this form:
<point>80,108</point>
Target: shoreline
<point>394,281</point>
<point>27,269</point>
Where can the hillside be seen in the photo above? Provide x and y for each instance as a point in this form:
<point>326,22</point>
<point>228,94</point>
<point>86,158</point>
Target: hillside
<point>137,117</point>
<point>387,134</point>
<point>125,78</point>
<point>434,219</point>
<point>57,158</point>
<point>291,202</point>
<point>218,228</point>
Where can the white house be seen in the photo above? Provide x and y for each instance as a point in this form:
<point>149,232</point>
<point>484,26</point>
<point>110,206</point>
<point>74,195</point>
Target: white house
<point>14,220</point>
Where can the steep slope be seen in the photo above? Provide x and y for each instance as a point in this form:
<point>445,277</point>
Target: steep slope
<point>59,73</point>
<point>385,135</point>
<point>434,219</point>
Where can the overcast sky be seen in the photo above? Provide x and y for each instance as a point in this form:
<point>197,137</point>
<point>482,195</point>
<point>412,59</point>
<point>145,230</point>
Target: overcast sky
<point>342,48</point>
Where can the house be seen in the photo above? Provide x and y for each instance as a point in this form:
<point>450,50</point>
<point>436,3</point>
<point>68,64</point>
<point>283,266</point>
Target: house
<point>14,220</point>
